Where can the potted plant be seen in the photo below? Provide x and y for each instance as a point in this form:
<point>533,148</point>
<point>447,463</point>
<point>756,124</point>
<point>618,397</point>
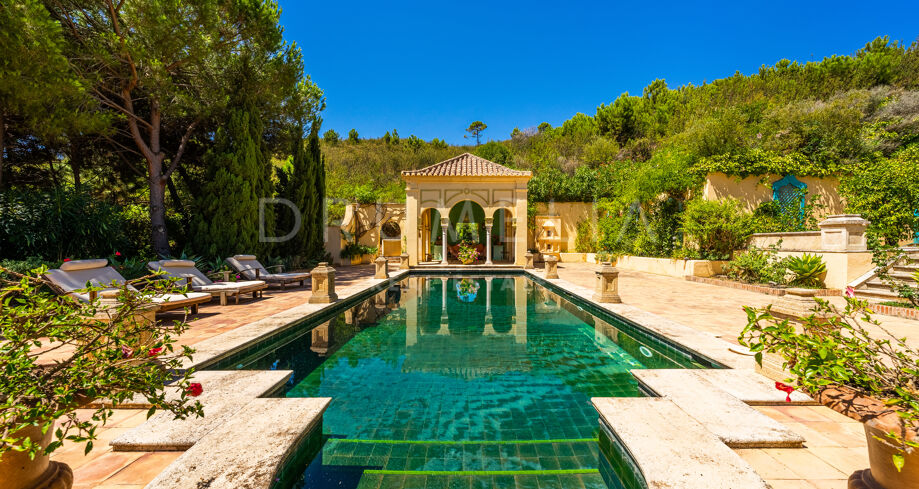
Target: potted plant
<point>467,254</point>
<point>606,256</point>
<point>833,351</point>
<point>368,253</point>
<point>59,353</point>
<point>352,252</point>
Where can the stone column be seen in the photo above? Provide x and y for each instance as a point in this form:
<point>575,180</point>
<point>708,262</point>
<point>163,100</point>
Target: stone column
<point>607,284</point>
<point>551,267</point>
<point>444,223</point>
<point>403,262</point>
<point>487,298</point>
<point>443,304</point>
<point>529,261</point>
<point>323,289</point>
<point>488,223</point>
<point>381,264</point>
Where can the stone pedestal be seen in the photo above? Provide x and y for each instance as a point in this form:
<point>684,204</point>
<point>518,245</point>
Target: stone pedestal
<point>844,232</point>
<point>403,261</point>
<point>551,267</point>
<point>529,261</point>
<point>381,272</point>
<point>607,284</point>
<point>797,303</point>
<point>323,279</point>
<point>444,224</point>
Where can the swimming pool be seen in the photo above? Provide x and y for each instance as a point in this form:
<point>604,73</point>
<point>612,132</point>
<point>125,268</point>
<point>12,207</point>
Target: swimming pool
<point>463,381</point>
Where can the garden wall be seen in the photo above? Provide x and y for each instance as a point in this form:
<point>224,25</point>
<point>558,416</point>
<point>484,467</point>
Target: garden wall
<point>671,267</point>
<point>840,243</point>
<point>570,213</point>
<point>753,190</point>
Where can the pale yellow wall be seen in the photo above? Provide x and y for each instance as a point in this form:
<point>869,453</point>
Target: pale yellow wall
<point>568,213</point>
<point>670,266</point>
<point>372,216</point>
<point>754,190</point>
<point>801,241</point>
<point>842,267</point>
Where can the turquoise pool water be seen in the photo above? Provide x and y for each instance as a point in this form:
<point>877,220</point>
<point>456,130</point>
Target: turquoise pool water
<point>462,382</point>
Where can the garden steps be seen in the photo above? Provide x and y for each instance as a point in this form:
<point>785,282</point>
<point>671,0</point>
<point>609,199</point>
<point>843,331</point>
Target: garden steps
<point>671,448</point>
<point>730,419</point>
<point>872,288</point>
<point>225,392</point>
<point>748,386</point>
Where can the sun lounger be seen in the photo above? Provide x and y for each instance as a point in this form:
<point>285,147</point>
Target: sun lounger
<point>73,277</point>
<point>251,269</point>
<point>199,282</point>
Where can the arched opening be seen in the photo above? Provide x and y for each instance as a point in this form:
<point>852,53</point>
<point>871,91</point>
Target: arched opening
<point>502,245</point>
<point>790,193</point>
<point>466,218</point>
<point>431,246</point>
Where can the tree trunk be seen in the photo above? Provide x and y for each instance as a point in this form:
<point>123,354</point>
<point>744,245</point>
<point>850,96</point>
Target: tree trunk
<point>76,162</point>
<point>158,215</point>
<point>2,148</point>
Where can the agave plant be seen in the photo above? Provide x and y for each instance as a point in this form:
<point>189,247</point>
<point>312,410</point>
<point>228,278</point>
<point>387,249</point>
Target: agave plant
<point>807,271</point>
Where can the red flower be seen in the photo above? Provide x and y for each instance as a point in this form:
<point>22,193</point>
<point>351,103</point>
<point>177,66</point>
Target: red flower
<point>127,352</point>
<point>155,351</point>
<point>787,389</point>
<point>117,253</point>
<point>850,292</point>
<point>66,259</point>
<point>194,389</point>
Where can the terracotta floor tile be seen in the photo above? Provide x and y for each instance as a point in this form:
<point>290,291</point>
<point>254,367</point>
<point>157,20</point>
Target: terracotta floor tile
<point>845,434</point>
<point>765,465</point>
<point>789,484</point>
<point>104,467</point>
<point>805,464</point>
<point>813,437</point>
<point>847,460</point>
<point>830,484</point>
<point>144,469</point>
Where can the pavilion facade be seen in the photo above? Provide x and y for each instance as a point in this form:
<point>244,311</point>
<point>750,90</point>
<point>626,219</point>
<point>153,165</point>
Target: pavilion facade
<point>466,189</point>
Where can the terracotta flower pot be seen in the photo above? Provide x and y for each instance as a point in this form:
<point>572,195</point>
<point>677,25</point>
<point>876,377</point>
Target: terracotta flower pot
<point>18,471</point>
<point>883,474</point>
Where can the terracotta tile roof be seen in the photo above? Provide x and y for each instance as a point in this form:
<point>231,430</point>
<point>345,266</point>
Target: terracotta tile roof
<point>466,165</point>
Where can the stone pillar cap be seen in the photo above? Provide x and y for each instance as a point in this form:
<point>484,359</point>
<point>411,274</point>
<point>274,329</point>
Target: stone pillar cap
<point>551,258</point>
<point>843,220</point>
<point>607,267</point>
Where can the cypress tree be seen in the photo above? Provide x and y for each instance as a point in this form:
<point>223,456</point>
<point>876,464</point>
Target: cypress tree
<point>317,191</point>
<point>227,217</point>
<point>302,181</point>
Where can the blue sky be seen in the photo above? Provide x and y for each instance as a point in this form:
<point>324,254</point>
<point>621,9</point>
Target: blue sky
<point>431,68</point>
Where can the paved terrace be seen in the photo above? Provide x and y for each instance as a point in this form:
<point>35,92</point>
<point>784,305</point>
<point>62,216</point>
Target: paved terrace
<point>835,444</point>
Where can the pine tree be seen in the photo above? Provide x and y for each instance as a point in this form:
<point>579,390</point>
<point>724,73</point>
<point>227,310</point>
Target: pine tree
<point>227,217</point>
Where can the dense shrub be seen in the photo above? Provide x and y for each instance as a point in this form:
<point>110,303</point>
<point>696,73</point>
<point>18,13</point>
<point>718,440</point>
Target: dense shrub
<point>758,265</point>
<point>885,191</point>
<point>57,224</point>
<point>586,239</point>
<point>714,229</point>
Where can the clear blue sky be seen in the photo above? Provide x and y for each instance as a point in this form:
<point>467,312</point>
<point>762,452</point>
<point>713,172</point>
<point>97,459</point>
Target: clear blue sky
<point>431,68</point>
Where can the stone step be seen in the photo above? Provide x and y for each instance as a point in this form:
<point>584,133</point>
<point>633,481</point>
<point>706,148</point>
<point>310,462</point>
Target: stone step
<point>672,449</point>
<point>250,448</point>
<point>226,392</point>
<point>411,456</point>
<point>746,385</point>
<point>876,294</point>
<point>730,419</point>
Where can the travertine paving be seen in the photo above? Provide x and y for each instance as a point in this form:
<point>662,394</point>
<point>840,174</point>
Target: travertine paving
<point>834,444</point>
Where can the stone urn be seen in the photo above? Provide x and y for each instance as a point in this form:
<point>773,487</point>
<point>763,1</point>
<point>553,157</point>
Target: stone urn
<point>883,474</point>
<point>18,471</point>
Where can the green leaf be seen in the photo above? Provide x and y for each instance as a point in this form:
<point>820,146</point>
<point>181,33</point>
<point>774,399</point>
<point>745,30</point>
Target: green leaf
<point>899,461</point>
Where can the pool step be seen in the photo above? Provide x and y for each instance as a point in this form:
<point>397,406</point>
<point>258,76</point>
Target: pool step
<point>569,480</point>
<point>449,458</point>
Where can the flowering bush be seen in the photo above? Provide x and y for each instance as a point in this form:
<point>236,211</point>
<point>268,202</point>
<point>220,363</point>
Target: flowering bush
<point>833,347</point>
<point>59,353</point>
